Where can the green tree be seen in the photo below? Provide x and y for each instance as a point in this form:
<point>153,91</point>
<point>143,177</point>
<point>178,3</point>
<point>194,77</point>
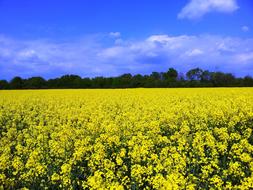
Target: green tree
<point>69,81</point>
<point>247,81</point>
<point>17,83</point>
<point>4,84</point>
<point>137,81</point>
<point>171,74</point>
<point>205,76</point>
<point>35,83</point>
<point>222,79</point>
<point>194,74</point>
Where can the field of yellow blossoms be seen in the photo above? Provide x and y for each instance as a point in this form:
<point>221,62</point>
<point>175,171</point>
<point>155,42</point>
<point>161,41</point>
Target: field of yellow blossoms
<point>127,139</point>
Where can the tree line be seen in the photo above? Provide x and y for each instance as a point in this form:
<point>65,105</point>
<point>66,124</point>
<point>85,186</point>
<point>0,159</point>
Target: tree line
<point>193,78</point>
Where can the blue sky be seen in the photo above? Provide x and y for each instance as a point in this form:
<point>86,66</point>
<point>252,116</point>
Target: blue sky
<point>90,38</point>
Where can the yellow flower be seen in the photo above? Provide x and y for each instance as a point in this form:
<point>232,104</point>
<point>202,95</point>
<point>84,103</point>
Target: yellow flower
<point>127,139</point>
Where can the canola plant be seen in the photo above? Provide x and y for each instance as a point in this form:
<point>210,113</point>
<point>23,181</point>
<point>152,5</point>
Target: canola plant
<point>127,139</point>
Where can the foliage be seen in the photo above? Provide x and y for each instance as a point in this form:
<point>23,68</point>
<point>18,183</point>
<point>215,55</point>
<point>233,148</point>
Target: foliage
<point>127,139</point>
<point>194,74</point>
<point>194,78</point>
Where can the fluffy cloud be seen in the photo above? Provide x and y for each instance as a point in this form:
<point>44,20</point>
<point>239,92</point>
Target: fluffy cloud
<point>115,34</point>
<point>245,57</point>
<point>198,8</point>
<point>245,28</point>
<point>95,56</point>
<point>194,52</point>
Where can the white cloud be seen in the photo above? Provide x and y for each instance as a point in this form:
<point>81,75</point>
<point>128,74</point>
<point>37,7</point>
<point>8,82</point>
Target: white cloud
<point>27,53</point>
<point>197,8</point>
<point>111,52</point>
<point>245,57</point>
<point>245,28</point>
<point>115,34</point>
<point>225,47</point>
<point>92,56</point>
<point>194,52</point>
<point>159,38</point>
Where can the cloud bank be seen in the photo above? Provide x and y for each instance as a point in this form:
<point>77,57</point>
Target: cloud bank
<point>197,8</point>
<point>103,56</point>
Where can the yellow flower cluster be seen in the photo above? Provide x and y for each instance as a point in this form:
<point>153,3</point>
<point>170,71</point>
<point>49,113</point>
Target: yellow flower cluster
<point>127,139</point>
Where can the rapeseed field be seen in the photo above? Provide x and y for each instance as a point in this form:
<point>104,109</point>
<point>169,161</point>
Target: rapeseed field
<point>127,139</point>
